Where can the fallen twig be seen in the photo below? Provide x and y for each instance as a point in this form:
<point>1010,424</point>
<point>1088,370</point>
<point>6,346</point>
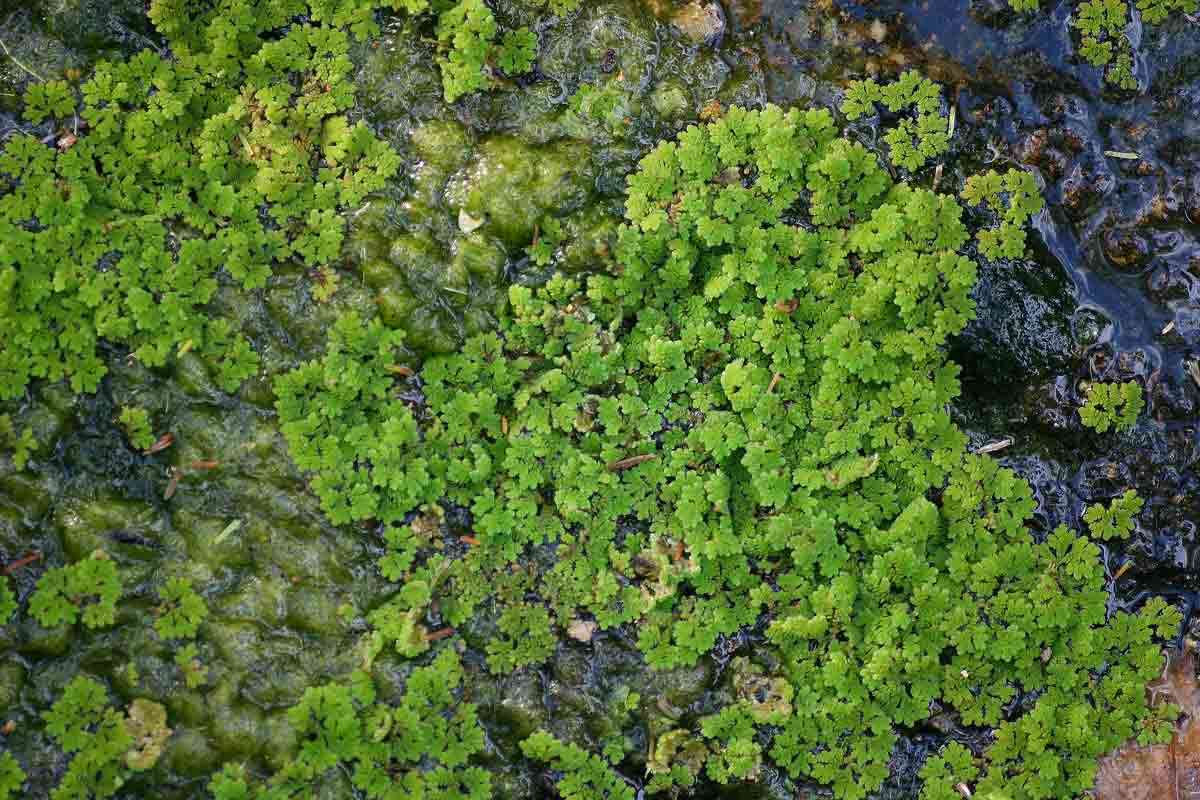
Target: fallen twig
<point>433,636</point>
<point>164,441</point>
<point>632,461</point>
<point>993,447</point>
<point>36,555</point>
<point>173,483</point>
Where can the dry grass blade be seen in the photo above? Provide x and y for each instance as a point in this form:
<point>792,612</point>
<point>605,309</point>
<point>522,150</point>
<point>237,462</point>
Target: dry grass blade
<point>28,71</point>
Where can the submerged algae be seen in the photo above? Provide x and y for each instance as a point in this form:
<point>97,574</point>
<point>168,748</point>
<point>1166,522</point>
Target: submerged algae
<point>287,592</point>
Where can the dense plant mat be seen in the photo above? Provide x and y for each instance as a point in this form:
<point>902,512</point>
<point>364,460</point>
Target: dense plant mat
<point>397,424</point>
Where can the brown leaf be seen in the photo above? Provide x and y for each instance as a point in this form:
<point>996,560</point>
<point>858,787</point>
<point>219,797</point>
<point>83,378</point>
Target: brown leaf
<point>1164,771</point>
<point>28,559</point>
<point>164,441</point>
<point>443,633</point>
<point>1178,683</point>
<point>581,630</point>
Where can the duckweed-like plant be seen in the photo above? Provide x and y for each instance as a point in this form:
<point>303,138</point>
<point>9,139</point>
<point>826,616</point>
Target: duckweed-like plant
<point>8,601</point>
<point>1014,198</point>
<point>525,637</point>
<point>87,590</point>
<point>49,99</point>
<point>187,658</point>
<point>417,748</point>
<point>471,44</point>
<point>549,238</point>
<point>1156,11</point>
<point>94,734</point>
<point>1114,406</point>
<point>182,610</point>
<point>343,423</point>
<point>21,445</point>
<point>585,776</point>
<point>467,32</point>
<point>188,172</point>
<point>744,421</point>
<point>517,51</point>
<point>912,141</point>
<point>12,777</point>
<point>1102,28</point>
<point>735,755</point>
<point>1101,25</point>
<point>1116,521</point>
<point>136,423</point>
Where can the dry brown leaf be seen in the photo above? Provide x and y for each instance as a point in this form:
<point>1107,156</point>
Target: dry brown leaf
<point>1165,771</point>
<point>582,630</point>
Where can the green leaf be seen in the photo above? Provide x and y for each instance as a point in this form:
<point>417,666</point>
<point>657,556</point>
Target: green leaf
<point>87,590</point>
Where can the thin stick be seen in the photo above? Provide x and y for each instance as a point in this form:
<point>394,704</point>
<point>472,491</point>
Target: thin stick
<point>993,447</point>
<point>632,461</point>
<point>33,74</point>
<point>440,634</point>
<point>23,562</point>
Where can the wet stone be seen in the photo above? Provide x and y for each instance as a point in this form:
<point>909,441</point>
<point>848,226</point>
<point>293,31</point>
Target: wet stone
<point>237,729</point>
<point>993,13</point>
<point>701,22</point>
<point>1089,326</point>
<point>189,753</point>
<point>313,611</point>
<point>39,641</point>
<point>1021,329</point>
<point>1187,323</point>
<point>1082,189</point>
<point>520,710</point>
<point>1125,249</point>
<point>12,680</point>
<point>1165,283</point>
<point>187,707</point>
<point>1174,399</point>
<point>682,686</point>
<point>281,740</point>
